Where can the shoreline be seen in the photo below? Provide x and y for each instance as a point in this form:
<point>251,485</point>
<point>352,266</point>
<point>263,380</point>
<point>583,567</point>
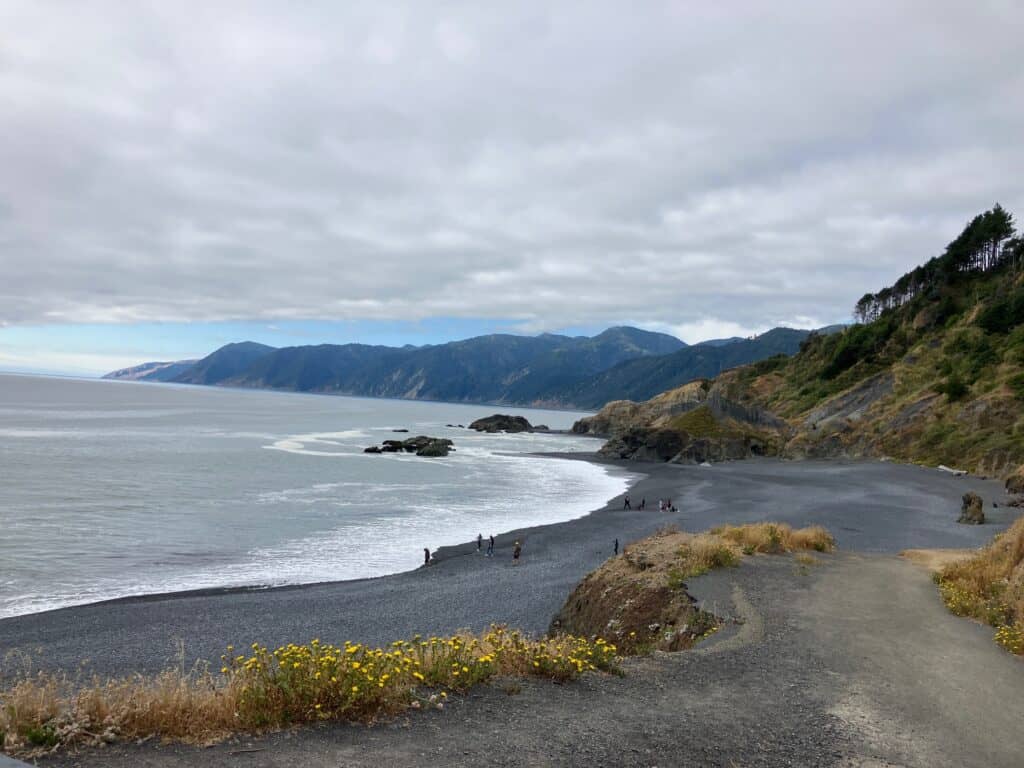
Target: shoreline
<point>214,591</point>
<point>869,506</point>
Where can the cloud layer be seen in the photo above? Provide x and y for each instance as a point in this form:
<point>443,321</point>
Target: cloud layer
<point>677,165</point>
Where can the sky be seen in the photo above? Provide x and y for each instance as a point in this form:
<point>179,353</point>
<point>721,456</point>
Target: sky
<point>179,175</point>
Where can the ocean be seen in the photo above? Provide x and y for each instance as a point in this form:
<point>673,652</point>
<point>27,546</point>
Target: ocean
<point>110,489</point>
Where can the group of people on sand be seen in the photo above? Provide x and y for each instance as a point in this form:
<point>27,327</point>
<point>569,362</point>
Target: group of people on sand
<point>664,505</point>
<point>517,550</point>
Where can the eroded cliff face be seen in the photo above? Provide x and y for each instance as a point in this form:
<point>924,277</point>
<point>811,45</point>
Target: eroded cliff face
<point>893,413</point>
<point>691,424</point>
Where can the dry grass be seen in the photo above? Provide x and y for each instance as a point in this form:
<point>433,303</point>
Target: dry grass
<point>639,600</point>
<point>934,560</point>
<point>270,689</point>
<point>990,587</point>
<point>775,538</point>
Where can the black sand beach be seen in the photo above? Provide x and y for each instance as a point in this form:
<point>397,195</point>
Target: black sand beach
<point>851,662</point>
<point>869,507</point>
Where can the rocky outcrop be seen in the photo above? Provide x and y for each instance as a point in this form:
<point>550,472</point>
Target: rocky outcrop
<point>1015,482</point>
<point>972,509</point>
<point>679,447</point>
<point>643,444</point>
<point>435,448</point>
<point>854,403</point>
<point>421,445</point>
<point>691,424</point>
<point>501,422</point>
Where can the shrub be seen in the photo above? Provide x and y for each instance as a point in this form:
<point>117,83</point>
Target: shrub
<point>954,388</point>
<point>1003,314</point>
<point>857,343</point>
<point>290,685</point>
<point>1016,384</point>
<point>971,352</point>
<point>990,587</point>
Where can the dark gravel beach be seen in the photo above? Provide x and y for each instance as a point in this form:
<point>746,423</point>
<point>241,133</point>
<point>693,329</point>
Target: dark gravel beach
<point>853,662</point>
<point>869,507</point>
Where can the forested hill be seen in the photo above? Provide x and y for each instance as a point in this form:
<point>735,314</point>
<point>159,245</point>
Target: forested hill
<point>933,373</point>
<point>551,370</point>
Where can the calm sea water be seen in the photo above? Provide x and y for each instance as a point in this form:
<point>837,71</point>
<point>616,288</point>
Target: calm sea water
<point>110,489</point>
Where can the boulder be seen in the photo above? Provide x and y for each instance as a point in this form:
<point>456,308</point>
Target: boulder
<point>541,428</point>
<point>972,509</point>
<point>501,422</point>
<point>421,445</point>
<point>435,448</point>
<point>1015,482</point>
<point>414,444</point>
<point>643,444</point>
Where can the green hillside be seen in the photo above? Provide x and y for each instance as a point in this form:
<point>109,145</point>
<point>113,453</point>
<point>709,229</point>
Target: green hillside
<point>933,372</point>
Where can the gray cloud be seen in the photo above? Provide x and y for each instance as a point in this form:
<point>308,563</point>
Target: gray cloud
<point>670,164</point>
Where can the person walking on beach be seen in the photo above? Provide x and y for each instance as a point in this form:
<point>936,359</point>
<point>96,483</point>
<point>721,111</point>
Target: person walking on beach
<point>517,550</point>
<point>426,556</point>
<point>625,503</point>
<point>479,542</point>
<point>616,546</point>
<point>490,546</point>
<point>643,503</point>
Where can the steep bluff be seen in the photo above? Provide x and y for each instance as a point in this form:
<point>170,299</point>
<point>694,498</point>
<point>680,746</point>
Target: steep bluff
<point>934,374</point>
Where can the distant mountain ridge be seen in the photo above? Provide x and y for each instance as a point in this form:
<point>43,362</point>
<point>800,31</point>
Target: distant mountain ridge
<point>546,370</point>
<point>156,371</point>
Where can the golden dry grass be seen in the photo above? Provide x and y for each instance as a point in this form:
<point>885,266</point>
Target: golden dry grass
<point>775,538</point>
<point>990,586</point>
<point>639,600</point>
<point>293,684</point>
<point>934,560</point>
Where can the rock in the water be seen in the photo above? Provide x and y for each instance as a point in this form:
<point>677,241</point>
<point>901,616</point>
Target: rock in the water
<point>541,428</point>
<point>972,509</point>
<point>399,430</point>
<point>435,448</point>
<point>501,422</point>
<point>414,444</point>
<point>421,445</point>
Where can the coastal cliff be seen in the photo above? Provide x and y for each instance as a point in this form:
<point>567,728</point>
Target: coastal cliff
<point>933,373</point>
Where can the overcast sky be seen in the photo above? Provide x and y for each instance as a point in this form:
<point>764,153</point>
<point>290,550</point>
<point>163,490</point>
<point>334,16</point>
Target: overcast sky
<point>700,168</point>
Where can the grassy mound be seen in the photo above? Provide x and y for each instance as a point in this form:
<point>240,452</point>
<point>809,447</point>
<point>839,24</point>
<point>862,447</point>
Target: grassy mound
<point>990,587</point>
<point>640,601</point>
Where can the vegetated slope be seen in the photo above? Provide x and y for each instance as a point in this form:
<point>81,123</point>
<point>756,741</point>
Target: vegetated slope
<point>225,363</point>
<point>643,378</point>
<point>934,372</point>
<point>156,371</point>
<point>545,370</point>
<point>494,368</point>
